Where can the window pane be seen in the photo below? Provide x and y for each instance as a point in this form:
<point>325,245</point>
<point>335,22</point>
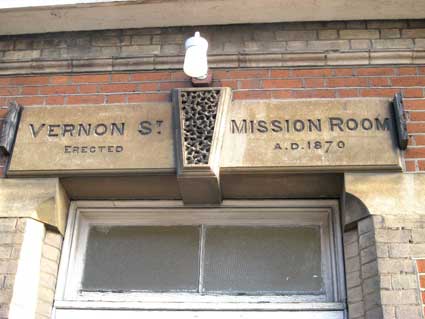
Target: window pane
<point>154,258</point>
<point>262,260</point>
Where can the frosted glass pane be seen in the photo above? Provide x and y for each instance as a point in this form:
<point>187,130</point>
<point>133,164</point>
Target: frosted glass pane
<point>154,258</point>
<point>262,259</point>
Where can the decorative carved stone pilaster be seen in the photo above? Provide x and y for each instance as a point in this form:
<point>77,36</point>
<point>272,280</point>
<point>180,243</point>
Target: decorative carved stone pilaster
<point>200,117</point>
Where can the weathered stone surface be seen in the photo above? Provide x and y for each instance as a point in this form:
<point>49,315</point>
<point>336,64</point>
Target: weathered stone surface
<point>40,199</point>
<point>390,33</point>
<point>301,135</point>
<point>389,194</point>
<point>359,34</point>
<point>328,34</point>
<point>393,44</point>
<point>120,138</point>
<point>360,44</point>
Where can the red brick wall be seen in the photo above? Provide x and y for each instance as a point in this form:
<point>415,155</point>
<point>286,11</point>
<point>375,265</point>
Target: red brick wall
<point>421,272</point>
<point>285,83</point>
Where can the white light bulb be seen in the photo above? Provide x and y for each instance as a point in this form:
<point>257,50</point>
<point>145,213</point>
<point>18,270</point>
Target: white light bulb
<point>195,60</point>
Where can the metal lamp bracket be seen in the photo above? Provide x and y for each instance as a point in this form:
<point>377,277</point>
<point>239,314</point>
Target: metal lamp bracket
<point>400,121</point>
<point>10,128</point>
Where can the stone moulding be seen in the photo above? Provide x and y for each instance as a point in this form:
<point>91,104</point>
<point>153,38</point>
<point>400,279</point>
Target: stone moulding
<point>199,117</point>
<point>230,60</point>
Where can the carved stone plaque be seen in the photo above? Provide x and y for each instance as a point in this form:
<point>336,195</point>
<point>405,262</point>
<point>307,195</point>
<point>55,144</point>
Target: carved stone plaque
<point>308,135</point>
<point>284,136</point>
<point>94,139</point>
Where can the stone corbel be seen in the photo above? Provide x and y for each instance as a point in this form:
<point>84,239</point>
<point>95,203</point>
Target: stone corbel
<point>382,194</point>
<point>44,200</point>
<point>200,117</point>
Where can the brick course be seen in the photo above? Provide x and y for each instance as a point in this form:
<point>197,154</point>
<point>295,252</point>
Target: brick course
<point>380,270</point>
<point>398,240</point>
<point>52,245</point>
<point>282,37</point>
<point>11,236</point>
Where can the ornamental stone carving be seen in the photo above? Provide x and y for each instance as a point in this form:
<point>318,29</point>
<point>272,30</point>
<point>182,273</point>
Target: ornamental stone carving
<point>199,111</point>
<point>200,117</point>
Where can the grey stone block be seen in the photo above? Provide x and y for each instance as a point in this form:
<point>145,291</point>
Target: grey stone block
<point>360,44</point>
<point>371,284</point>
<point>385,281</point>
<point>356,310</point>
<point>296,45</point>
<point>390,33</point>
<point>24,44</point>
<point>355,294</point>
<point>368,254</point>
<point>365,225</point>
<point>329,45</point>
<point>6,45</point>
<point>352,264</point>
<point>353,279</point>
<point>350,236</point>
<point>8,225</point>
<point>395,265</point>
<point>105,41</point>
<point>418,236</point>
<point>366,240</point>
<point>328,34</point>
<point>141,39</point>
<point>375,313</point>
<point>399,250</point>
<point>393,235</point>
<point>359,34</point>
<point>413,33</point>
<point>382,250</point>
<point>140,50</point>
<point>404,281</point>
<point>351,250</point>
<point>393,44</point>
<point>408,312</point>
<point>389,312</point>
<point>369,269</point>
<point>399,297</point>
<point>296,35</point>
<point>417,250</point>
<point>22,55</point>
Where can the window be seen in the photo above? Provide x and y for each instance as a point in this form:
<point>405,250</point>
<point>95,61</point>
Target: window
<point>124,258</point>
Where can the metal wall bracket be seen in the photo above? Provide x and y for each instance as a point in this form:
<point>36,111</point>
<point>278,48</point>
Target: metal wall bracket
<point>10,128</point>
<point>400,121</point>
<point>200,118</point>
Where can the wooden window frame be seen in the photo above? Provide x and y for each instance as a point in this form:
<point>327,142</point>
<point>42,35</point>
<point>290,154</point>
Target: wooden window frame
<point>71,302</point>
